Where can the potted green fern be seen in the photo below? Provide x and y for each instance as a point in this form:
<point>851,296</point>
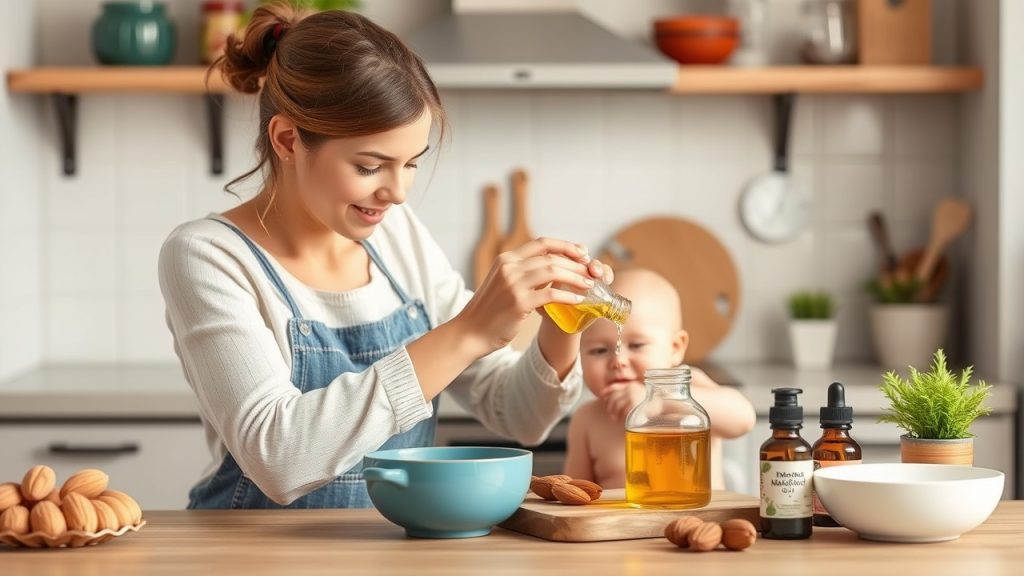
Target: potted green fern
<point>936,409</point>
<point>812,329</point>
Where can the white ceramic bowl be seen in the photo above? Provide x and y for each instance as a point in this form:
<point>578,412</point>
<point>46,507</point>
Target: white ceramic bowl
<point>909,502</point>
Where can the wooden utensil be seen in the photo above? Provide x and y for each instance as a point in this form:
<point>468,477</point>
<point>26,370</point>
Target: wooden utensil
<point>612,518</point>
<point>880,233</point>
<point>949,221</point>
<point>928,290</point>
<point>487,247</point>
<point>520,233</point>
<point>697,265</point>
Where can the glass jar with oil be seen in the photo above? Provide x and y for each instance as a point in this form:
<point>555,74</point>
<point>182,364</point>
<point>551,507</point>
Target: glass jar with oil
<point>599,302</point>
<point>668,445</point>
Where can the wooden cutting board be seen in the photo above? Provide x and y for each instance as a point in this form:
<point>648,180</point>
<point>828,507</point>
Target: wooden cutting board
<point>611,518</point>
<point>520,233</point>
<point>487,248</point>
<point>696,263</point>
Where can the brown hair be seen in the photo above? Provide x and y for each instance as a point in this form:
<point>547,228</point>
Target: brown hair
<point>335,74</point>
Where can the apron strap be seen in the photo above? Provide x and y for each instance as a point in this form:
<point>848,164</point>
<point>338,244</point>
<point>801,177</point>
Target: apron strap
<point>268,269</point>
<point>380,265</point>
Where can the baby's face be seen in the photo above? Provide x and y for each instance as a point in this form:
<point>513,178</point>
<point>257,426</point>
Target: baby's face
<point>647,342</point>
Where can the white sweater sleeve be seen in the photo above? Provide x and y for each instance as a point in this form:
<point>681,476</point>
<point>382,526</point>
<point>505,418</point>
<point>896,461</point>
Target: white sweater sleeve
<point>516,395</point>
<point>287,442</point>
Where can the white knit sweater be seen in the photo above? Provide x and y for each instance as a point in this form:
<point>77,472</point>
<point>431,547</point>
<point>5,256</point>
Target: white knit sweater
<point>229,326</point>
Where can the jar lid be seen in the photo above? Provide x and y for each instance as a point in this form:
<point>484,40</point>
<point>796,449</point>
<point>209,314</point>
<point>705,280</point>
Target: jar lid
<point>224,5</point>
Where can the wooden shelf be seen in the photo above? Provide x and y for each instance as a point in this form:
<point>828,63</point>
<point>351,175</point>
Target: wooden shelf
<point>826,79</point>
<point>80,80</point>
<point>691,80</point>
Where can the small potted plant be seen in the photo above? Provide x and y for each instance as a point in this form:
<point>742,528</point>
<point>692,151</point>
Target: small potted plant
<point>936,409</point>
<point>812,329</point>
<point>906,329</point>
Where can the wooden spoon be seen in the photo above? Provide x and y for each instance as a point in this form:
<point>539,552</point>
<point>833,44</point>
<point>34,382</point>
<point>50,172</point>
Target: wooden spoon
<point>487,248</point>
<point>520,233</point>
<point>949,221</point>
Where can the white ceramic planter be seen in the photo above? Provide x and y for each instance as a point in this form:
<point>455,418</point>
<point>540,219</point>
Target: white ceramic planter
<point>908,334</point>
<point>813,342</point>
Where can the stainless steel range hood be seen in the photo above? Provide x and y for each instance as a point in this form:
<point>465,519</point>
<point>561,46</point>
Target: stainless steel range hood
<point>535,49</point>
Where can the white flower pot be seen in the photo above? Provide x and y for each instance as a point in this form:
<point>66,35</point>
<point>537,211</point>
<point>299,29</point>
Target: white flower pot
<point>908,334</point>
<point>813,342</point>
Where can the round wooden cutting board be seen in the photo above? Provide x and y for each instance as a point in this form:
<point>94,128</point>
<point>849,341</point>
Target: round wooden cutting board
<point>696,263</point>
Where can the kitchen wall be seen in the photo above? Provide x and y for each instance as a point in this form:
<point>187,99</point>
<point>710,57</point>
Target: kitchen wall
<point>21,297</point>
<point>598,161</point>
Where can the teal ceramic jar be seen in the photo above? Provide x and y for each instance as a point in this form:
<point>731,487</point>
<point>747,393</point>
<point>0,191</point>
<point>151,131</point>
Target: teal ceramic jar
<point>133,34</point>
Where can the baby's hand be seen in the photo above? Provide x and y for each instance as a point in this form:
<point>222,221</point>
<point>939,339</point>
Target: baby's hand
<point>619,399</point>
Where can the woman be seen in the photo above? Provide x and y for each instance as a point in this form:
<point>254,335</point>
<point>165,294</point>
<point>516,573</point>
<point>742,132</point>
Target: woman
<point>319,321</point>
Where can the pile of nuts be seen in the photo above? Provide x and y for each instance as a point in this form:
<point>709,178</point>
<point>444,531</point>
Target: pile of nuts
<point>565,489</point>
<point>83,504</point>
<point>699,536</point>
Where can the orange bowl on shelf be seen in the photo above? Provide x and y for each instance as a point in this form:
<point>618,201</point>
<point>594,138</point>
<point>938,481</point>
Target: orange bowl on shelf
<point>697,39</point>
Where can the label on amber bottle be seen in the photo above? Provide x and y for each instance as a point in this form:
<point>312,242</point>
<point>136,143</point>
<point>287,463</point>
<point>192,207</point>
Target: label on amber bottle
<point>786,489</point>
<point>819,509</point>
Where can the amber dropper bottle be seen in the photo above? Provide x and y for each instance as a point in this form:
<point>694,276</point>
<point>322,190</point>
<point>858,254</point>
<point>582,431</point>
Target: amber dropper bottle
<point>786,469</point>
<point>835,447</point>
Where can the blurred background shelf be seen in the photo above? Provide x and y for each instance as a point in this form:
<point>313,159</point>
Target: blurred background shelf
<point>690,80</point>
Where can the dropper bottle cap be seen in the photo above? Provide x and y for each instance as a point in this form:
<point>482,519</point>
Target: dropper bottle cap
<point>787,412</point>
<point>837,414</point>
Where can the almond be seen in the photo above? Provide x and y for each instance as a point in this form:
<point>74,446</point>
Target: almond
<point>572,495</point>
<point>54,496</point>
<point>15,519</point>
<point>738,534</point>
<point>592,489</point>
<point>541,486</point>
<point>129,503</point>
<point>89,483</point>
<point>678,530</point>
<point>105,516</point>
<point>121,512</point>
<point>705,537</point>
<point>10,495</point>
<point>79,512</point>
<point>47,518</point>
<point>38,482</point>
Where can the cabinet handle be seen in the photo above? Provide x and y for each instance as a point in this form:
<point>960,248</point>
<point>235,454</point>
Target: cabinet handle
<point>94,449</point>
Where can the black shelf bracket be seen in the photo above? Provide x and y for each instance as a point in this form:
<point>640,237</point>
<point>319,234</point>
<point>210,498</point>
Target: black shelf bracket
<point>783,117</point>
<point>215,118</point>
<point>66,106</point>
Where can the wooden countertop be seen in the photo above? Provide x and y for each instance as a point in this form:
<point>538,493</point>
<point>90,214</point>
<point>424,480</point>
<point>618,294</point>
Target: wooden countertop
<point>362,542</point>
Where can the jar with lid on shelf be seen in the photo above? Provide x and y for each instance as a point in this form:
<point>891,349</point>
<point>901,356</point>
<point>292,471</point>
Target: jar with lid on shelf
<point>668,445</point>
<point>220,21</point>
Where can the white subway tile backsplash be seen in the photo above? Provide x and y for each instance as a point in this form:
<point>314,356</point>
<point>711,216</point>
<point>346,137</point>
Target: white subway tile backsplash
<point>853,125</point>
<point>82,329</point>
<point>851,190</point>
<point>151,198</point>
<point>81,264</point>
<point>924,127</point>
<point>568,130</point>
<point>853,327</point>
<point>598,161</point>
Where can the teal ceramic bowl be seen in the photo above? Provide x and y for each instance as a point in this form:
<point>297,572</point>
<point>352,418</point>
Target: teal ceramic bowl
<point>449,492</point>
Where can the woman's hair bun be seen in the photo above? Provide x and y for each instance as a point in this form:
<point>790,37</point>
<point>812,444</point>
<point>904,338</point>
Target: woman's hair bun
<point>247,55</point>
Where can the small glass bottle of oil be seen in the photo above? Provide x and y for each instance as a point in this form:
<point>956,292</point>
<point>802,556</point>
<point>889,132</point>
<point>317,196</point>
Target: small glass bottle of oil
<point>786,471</point>
<point>668,449</point>
<point>835,447</point>
<point>599,302</point>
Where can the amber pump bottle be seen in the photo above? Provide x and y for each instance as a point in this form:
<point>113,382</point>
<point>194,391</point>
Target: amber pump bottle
<point>786,469</point>
<point>835,447</point>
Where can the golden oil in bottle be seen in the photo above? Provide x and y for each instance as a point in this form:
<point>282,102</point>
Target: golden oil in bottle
<point>598,302</point>
<point>668,445</point>
<point>669,469</point>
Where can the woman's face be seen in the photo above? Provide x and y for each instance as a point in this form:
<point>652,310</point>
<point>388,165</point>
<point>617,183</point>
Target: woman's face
<point>348,184</point>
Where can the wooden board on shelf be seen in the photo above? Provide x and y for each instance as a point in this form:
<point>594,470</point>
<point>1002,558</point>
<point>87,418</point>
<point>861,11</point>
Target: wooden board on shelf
<point>78,80</point>
<point>826,79</point>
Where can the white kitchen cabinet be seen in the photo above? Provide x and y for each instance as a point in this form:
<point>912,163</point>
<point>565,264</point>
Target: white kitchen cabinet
<point>155,462</point>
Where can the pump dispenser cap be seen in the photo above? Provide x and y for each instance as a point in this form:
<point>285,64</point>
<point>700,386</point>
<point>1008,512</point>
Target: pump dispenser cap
<point>786,411</point>
<point>837,413</point>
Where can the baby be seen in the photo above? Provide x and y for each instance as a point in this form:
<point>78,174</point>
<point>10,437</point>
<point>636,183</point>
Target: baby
<point>653,337</point>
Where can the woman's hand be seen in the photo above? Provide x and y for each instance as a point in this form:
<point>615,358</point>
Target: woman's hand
<point>522,280</point>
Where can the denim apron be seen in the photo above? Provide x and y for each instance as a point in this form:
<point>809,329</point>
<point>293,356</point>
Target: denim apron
<point>319,355</point>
